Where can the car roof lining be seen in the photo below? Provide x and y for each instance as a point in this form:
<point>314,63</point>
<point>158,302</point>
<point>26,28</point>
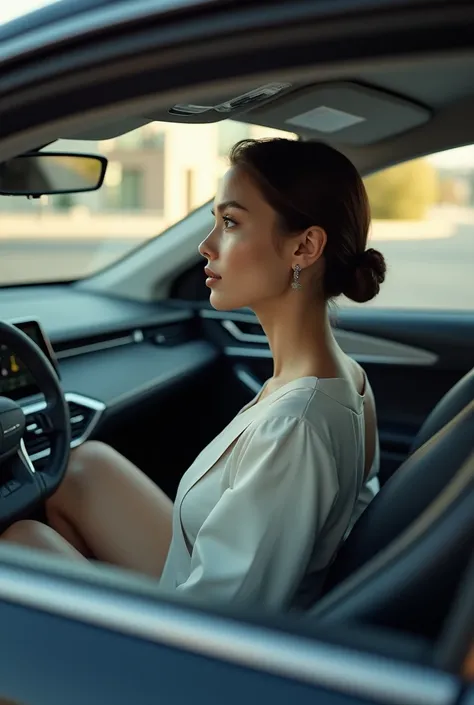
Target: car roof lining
<point>393,97</point>
<point>450,124</point>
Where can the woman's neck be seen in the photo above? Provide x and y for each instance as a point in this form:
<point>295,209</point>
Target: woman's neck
<point>300,338</point>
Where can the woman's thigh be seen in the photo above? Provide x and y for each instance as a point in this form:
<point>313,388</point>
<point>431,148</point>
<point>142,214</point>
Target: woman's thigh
<point>36,535</point>
<point>108,505</point>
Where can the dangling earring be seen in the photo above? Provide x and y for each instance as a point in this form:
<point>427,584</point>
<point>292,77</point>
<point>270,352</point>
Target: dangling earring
<point>295,284</point>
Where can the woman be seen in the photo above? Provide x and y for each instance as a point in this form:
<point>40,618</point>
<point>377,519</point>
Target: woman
<point>260,514</point>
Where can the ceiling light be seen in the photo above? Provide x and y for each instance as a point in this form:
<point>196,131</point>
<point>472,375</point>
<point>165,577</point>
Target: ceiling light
<point>325,119</point>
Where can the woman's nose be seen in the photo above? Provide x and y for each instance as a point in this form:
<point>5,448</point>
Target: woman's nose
<point>206,248</point>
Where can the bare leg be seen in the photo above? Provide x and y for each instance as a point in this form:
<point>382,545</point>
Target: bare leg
<point>108,509</point>
<point>37,535</point>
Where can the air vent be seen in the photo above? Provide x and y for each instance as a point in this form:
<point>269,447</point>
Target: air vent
<point>81,418</point>
<point>94,343</point>
<point>84,414</point>
<point>35,440</point>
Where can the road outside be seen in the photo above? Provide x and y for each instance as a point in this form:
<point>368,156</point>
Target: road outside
<point>429,273</point>
<point>430,263</point>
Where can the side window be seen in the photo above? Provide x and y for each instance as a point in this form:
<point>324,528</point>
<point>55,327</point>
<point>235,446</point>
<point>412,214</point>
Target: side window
<point>423,223</point>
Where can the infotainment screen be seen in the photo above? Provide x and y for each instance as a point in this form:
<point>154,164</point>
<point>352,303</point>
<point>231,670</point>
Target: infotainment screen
<point>15,380</point>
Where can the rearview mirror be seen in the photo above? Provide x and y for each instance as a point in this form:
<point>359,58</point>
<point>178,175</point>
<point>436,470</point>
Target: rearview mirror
<point>46,173</point>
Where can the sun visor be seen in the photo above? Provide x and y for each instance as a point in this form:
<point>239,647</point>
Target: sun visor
<point>345,112</point>
<point>108,131</point>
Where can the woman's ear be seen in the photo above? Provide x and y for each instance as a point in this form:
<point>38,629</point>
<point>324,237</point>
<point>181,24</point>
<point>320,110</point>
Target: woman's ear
<point>310,246</point>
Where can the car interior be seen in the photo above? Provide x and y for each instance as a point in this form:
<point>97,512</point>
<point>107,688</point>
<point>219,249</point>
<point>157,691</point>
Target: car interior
<point>130,354</point>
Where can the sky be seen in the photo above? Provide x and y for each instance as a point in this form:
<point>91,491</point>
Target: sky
<point>462,157</point>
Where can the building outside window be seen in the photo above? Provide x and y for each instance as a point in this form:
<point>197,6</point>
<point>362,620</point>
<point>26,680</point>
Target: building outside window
<point>131,189</point>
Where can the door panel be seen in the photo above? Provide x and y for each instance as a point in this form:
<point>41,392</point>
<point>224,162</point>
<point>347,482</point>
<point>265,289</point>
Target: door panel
<point>129,670</point>
<point>407,392</point>
<point>58,619</point>
<point>412,359</point>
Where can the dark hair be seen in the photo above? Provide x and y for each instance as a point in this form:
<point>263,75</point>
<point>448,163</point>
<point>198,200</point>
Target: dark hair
<point>311,183</point>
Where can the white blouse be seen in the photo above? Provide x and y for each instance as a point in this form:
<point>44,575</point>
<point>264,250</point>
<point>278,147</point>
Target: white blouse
<point>261,512</point>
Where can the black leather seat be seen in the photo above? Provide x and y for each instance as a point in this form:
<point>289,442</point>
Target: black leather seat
<point>410,584</point>
<point>404,498</point>
<point>409,492</point>
<point>408,548</point>
<point>447,408</point>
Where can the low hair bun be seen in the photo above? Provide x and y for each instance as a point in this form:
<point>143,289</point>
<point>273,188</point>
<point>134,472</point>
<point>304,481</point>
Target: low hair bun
<point>365,276</point>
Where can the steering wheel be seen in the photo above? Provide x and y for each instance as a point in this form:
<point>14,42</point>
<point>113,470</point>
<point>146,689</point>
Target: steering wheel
<point>22,488</point>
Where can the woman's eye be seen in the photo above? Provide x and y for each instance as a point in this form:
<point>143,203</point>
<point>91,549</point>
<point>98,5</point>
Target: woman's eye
<point>228,222</point>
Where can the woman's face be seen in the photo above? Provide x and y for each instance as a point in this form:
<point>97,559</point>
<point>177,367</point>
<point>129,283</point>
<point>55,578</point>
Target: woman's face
<point>245,266</point>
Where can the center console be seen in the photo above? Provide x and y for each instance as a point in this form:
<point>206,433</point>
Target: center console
<point>17,383</point>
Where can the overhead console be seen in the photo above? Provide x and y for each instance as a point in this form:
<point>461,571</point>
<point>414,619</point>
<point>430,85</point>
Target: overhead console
<point>347,112</point>
<point>17,383</point>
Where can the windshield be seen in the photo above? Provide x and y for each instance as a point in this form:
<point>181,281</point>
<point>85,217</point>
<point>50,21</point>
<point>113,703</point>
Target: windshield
<point>156,176</point>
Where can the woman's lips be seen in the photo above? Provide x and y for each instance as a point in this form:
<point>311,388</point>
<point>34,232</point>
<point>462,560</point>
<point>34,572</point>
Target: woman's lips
<point>212,277</point>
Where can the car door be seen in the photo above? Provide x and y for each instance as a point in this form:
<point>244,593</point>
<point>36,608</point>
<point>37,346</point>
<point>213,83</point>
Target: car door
<point>75,635</point>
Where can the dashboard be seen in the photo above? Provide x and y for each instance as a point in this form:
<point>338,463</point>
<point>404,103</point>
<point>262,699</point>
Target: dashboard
<point>124,355</point>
